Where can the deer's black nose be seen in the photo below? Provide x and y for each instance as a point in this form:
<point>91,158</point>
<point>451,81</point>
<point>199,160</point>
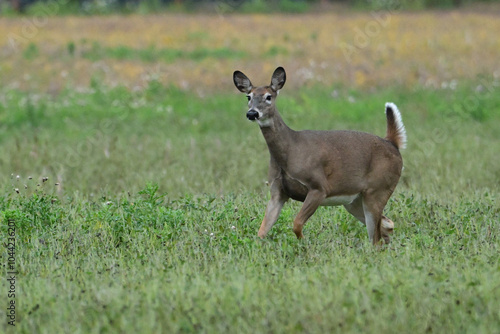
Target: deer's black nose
<point>252,114</point>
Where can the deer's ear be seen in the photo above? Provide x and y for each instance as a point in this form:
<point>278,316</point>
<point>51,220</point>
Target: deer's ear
<point>242,82</point>
<point>278,79</point>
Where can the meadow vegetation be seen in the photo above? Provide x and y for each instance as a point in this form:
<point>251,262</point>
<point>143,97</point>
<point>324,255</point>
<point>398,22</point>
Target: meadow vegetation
<point>137,185</point>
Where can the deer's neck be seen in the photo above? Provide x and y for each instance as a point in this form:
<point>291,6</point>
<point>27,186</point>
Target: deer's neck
<point>279,139</point>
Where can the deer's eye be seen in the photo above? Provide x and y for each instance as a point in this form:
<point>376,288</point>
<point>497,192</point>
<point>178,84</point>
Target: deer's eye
<point>268,98</point>
<point>249,97</point>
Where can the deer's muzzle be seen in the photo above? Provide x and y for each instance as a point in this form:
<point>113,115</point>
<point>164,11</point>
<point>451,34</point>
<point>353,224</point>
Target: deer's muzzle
<point>252,114</point>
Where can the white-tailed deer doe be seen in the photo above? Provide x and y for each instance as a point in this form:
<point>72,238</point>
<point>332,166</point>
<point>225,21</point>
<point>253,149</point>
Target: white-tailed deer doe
<point>355,169</point>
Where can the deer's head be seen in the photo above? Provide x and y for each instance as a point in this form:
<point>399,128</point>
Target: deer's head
<point>261,100</point>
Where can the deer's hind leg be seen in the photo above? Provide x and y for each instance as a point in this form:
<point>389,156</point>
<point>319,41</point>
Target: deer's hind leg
<point>356,209</point>
<point>378,225</point>
<point>386,229</point>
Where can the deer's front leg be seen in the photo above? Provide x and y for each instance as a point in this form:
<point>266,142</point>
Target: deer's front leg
<point>278,199</point>
<point>311,203</point>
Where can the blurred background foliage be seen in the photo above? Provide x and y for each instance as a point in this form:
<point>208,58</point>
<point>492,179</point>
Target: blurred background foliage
<point>91,7</point>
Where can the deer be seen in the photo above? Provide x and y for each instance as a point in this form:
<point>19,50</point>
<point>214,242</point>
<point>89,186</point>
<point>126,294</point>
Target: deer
<point>355,169</point>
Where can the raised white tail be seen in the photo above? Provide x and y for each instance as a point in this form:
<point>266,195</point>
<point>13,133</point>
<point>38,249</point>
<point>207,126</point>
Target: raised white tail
<point>396,132</point>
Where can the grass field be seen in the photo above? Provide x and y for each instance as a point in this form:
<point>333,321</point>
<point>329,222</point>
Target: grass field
<point>137,186</point>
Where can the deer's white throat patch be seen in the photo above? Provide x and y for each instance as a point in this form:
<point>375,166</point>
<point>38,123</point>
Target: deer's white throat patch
<point>264,123</point>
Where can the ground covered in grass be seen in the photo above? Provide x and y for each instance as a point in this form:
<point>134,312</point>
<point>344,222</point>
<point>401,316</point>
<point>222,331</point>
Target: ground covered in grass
<point>147,219</point>
<point>151,264</point>
<point>148,264</point>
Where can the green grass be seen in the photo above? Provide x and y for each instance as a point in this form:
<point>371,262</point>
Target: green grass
<point>152,224</point>
<point>113,139</point>
<point>153,54</point>
<point>150,264</point>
